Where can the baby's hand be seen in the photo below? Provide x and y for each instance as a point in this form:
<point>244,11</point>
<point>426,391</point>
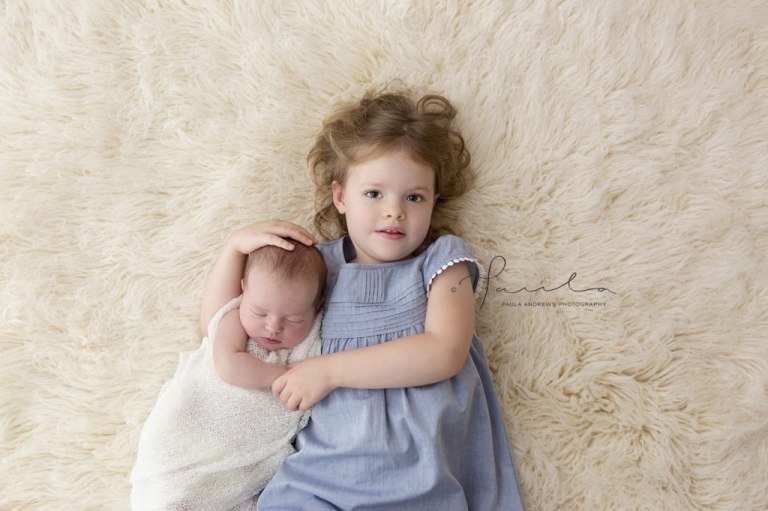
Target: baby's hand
<point>269,232</point>
<point>305,383</point>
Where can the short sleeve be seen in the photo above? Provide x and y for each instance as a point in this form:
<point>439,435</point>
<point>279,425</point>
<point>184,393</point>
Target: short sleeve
<point>447,251</point>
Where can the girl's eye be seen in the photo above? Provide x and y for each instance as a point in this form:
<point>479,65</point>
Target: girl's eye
<point>294,321</point>
<point>373,194</point>
<point>259,315</point>
<point>415,198</point>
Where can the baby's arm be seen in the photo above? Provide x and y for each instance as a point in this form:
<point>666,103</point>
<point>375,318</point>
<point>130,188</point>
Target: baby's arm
<point>233,363</point>
<point>436,355</point>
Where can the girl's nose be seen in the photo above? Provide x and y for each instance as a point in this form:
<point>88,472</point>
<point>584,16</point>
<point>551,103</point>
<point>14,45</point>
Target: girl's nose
<point>395,210</point>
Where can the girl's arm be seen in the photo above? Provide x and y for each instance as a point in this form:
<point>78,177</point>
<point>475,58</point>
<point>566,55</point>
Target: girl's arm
<point>224,281</point>
<point>437,354</point>
<point>233,363</point>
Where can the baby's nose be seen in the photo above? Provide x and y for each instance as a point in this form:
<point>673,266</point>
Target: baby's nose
<point>274,326</point>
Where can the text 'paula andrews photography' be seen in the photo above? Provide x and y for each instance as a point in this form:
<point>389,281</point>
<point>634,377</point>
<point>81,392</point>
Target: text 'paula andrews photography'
<point>597,298</point>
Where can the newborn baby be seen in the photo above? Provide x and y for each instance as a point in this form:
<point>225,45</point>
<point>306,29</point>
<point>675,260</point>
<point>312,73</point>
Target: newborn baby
<point>209,444</point>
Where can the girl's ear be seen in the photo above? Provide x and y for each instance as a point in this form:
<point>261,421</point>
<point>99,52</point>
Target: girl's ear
<point>435,200</point>
<point>338,197</point>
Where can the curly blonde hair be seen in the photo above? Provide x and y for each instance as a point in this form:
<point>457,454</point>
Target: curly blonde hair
<point>381,122</point>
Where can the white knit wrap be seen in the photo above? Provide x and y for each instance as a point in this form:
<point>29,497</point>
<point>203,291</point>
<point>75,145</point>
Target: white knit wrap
<point>208,445</point>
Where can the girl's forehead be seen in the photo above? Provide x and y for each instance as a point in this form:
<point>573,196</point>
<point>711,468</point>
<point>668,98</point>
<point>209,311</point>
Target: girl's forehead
<point>398,164</point>
<point>368,152</point>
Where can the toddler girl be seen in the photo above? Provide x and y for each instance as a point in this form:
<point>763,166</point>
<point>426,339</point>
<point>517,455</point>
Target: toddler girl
<point>406,416</point>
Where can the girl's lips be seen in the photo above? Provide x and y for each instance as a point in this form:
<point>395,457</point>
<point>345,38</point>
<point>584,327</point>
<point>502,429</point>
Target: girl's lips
<point>391,234</point>
<point>269,340</point>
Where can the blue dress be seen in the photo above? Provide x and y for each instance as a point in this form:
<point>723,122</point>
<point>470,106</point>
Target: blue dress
<point>438,447</point>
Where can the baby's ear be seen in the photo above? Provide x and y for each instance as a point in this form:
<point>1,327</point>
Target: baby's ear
<point>338,197</point>
<point>242,285</point>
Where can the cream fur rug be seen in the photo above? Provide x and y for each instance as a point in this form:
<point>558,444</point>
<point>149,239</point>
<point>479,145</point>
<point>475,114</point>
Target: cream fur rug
<point>624,141</point>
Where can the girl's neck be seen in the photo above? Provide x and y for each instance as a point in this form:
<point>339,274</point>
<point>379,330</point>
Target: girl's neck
<point>350,254</point>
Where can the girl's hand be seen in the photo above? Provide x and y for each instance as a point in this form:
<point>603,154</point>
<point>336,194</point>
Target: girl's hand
<point>269,232</point>
<point>305,383</point>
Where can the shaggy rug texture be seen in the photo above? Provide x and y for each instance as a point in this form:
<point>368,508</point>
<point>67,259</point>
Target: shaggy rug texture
<point>621,209</point>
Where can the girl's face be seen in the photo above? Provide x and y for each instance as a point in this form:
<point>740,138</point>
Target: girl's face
<point>277,313</point>
<point>388,204</point>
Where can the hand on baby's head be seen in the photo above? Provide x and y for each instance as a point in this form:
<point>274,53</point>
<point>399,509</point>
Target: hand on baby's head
<point>282,291</point>
<point>279,233</point>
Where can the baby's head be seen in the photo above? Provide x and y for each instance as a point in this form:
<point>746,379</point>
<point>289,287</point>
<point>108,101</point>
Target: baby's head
<point>282,294</point>
<point>383,125</point>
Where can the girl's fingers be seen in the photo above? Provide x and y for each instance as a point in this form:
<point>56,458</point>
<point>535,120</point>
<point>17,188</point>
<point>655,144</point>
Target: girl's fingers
<point>294,403</point>
<point>271,232</point>
<point>278,385</point>
<point>291,230</point>
<point>285,396</point>
<point>278,242</point>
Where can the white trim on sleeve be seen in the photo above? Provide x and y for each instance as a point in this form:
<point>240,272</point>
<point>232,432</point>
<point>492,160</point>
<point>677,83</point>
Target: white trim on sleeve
<point>480,270</point>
